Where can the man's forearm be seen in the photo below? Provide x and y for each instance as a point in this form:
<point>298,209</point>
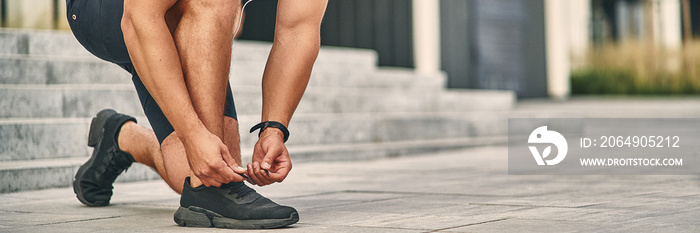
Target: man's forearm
<point>155,57</point>
<point>287,74</point>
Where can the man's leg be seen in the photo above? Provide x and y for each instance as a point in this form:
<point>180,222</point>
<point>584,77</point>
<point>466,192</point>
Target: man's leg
<point>139,141</point>
<point>202,42</point>
<point>203,33</point>
<point>203,38</point>
<point>205,60</point>
<point>168,159</point>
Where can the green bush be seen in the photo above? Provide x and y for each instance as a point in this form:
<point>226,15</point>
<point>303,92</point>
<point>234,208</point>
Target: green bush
<point>635,68</point>
<point>602,81</point>
<point>619,81</point>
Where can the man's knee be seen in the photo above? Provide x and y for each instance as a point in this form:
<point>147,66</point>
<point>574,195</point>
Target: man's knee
<point>223,9</point>
<point>137,12</point>
<point>174,161</point>
<point>171,143</point>
<point>230,122</point>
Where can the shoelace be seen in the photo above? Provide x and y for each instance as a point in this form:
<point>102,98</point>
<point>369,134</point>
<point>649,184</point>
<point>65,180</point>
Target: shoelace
<point>240,190</point>
<point>115,166</point>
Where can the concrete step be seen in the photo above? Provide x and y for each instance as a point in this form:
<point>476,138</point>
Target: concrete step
<point>29,139</point>
<point>34,69</point>
<point>44,42</point>
<point>50,87</point>
<point>26,69</point>
<point>51,101</point>
<point>32,174</point>
<point>63,44</point>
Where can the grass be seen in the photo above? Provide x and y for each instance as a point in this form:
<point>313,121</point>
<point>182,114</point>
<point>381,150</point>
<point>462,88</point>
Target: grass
<point>636,68</point>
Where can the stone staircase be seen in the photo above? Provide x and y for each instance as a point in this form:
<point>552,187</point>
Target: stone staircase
<point>50,87</point>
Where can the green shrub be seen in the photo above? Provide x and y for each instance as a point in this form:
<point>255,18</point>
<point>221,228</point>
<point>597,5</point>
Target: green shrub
<point>635,68</point>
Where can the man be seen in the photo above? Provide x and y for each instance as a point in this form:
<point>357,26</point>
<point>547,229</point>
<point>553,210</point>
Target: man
<point>179,53</point>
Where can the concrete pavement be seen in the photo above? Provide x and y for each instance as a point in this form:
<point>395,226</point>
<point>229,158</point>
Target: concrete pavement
<point>459,191</point>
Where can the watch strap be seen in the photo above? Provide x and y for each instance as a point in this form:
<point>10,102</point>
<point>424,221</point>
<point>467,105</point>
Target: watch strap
<point>274,124</point>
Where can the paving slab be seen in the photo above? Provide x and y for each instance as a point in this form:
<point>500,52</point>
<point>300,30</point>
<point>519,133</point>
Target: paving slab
<point>525,226</point>
<point>458,191</point>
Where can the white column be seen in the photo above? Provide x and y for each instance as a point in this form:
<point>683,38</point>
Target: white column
<point>579,29</point>
<point>667,15</point>
<point>36,14</point>
<point>426,36</point>
<point>62,23</point>
<point>557,48</point>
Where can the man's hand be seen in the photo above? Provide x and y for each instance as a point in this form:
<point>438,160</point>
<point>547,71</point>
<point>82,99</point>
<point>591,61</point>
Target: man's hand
<point>210,160</point>
<point>287,71</point>
<point>271,162</point>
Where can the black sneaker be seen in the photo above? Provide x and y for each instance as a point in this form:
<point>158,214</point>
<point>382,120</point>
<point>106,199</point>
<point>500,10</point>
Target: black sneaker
<point>232,205</point>
<point>93,181</point>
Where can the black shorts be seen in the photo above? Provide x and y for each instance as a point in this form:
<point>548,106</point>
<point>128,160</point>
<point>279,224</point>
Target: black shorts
<point>97,26</point>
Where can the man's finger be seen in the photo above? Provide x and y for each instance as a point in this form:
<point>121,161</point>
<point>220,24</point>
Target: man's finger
<point>270,156</point>
<point>252,176</point>
<point>209,182</point>
<point>239,172</point>
<point>224,173</point>
<point>280,174</point>
<point>239,169</point>
<point>240,178</point>
<point>217,179</point>
<point>228,158</point>
<point>263,174</point>
<point>255,172</point>
<point>243,175</point>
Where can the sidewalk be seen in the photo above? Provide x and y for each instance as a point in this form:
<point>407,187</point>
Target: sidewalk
<point>459,191</point>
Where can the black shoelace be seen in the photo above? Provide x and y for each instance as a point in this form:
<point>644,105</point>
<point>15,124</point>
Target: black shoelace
<point>238,188</point>
<point>116,166</point>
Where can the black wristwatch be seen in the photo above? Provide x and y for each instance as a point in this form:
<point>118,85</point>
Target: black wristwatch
<point>274,124</point>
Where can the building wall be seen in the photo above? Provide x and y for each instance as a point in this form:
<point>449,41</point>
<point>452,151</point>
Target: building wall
<point>695,17</point>
<point>657,20</point>
<point>495,44</point>
<point>457,43</point>
<point>381,25</point>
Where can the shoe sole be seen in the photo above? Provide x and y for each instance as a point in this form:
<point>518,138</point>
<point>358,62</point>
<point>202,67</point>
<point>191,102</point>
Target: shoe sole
<point>94,139</point>
<point>199,217</point>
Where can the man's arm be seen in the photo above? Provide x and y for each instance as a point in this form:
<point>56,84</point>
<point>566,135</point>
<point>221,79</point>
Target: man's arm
<point>294,51</point>
<point>155,56</point>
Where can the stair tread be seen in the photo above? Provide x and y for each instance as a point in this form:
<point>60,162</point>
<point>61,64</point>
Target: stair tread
<point>41,163</point>
<point>57,43</point>
<point>299,116</point>
<point>296,151</point>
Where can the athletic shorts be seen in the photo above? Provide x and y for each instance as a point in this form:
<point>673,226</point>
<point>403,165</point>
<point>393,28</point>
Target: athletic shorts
<point>97,26</point>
